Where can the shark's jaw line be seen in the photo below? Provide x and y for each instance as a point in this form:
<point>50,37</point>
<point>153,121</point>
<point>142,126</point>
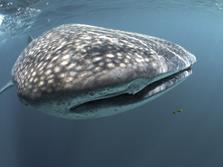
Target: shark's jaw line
<point>113,98</point>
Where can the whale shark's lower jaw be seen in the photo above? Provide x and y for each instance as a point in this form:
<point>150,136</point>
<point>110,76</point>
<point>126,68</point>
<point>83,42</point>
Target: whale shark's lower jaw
<point>124,102</point>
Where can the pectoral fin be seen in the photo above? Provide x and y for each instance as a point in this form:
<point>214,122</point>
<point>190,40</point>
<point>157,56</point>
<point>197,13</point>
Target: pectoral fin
<point>7,86</point>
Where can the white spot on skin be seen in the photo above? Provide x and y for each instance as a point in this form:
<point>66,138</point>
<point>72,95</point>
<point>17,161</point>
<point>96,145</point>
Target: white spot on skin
<point>55,58</point>
<point>79,47</point>
<point>87,37</point>
<point>68,79</point>
<point>48,57</point>
<point>48,72</point>
<point>41,83</point>
<point>34,73</point>
<point>128,57</point>
<point>39,65</point>
<point>50,66</point>
<point>73,73</point>
<point>146,59</point>
<point>97,69</point>
<point>50,81</point>
<point>119,54</point>
<point>122,65</point>
<point>57,69</point>
<point>97,59</point>
<point>101,63</point>
<point>138,56</point>
<point>31,79</point>
<point>35,80</point>
<point>154,64</point>
<point>88,62</point>
<point>62,75</point>
<point>50,76</point>
<point>82,75</point>
<point>110,65</point>
<point>83,50</point>
<point>110,55</point>
<point>95,53</point>
<point>78,68</point>
<point>152,52</point>
<point>41,68</point>
<point>66,57</point>
<point>126,61</point>
<point>139,60</point>
<point>64,63</point>
<point>26,84</point>
<point>90,67</point>
<point>71,66</point>
<point>108,60</point>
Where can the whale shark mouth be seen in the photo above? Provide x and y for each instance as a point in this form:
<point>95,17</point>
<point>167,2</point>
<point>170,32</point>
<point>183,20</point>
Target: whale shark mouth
<point>151,91</point>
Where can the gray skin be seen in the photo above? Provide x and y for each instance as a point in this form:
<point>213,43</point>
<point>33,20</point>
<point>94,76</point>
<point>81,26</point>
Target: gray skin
<point>80,71</point>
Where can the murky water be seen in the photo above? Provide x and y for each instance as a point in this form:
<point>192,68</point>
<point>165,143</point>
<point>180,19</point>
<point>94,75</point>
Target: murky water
<point>148,136</point>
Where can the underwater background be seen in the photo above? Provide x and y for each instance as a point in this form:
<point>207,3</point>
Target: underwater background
<point>150,135</point>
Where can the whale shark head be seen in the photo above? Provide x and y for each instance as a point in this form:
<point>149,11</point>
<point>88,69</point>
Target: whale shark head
<point>79,71</point>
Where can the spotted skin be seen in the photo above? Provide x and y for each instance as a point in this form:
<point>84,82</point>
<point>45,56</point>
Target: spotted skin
<point>73,63</point>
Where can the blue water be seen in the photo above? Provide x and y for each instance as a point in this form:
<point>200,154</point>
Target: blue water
<point>148,136</point>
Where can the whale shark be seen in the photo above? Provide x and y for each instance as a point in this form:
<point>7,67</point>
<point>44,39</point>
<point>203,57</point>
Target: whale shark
<point>78,71</point>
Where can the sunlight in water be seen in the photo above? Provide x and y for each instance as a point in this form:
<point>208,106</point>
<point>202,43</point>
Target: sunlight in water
<point>1,19</point>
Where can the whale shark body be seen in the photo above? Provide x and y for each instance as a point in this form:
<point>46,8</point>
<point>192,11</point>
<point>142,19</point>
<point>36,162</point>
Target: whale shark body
<point>78,71</point>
